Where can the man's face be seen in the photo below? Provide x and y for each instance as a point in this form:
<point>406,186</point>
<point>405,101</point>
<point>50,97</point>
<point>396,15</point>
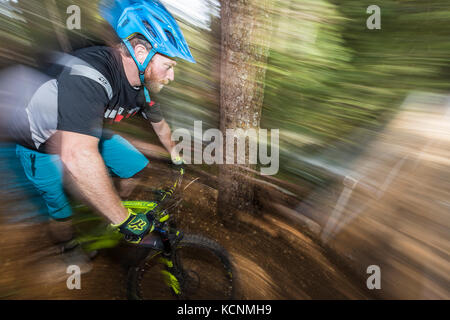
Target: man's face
<point>159,72</point>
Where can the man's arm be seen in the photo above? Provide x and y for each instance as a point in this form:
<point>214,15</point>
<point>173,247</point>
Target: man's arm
<point>87,171</point>
<point>164,133</point>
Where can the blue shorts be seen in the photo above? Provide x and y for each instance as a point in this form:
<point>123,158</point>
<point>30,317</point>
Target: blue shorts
<point>45,170</point>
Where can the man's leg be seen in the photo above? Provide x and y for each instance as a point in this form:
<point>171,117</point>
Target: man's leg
<point>127,186</point>
<point>124,161</point>
<point>45,173</point>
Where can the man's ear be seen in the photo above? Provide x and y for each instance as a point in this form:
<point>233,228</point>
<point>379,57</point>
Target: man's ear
<point>140,52</point>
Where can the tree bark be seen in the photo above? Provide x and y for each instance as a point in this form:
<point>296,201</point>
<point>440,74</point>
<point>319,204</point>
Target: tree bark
<point>245,46</point>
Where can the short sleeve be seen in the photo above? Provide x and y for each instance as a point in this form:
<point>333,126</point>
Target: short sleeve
<point>81,104</point>
<point>152,112</point>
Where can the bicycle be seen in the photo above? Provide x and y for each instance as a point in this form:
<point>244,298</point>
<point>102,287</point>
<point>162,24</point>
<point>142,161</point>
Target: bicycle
<point>172,264</point>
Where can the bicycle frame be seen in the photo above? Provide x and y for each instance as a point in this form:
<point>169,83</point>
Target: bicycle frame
<point>161,239</point>
<point>162,232</point>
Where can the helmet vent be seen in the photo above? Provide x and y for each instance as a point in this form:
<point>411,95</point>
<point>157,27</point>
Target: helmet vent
<point>125,22</point>
<point>149,29</point>
<point>171,38</point>
<point>157,18</point>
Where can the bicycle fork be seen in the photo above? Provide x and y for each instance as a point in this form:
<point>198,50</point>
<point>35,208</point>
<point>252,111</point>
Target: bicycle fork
<point>172,274</point>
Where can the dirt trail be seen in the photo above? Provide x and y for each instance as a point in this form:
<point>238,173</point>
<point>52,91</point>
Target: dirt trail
<point>400,223</point>
<point>273,259</point>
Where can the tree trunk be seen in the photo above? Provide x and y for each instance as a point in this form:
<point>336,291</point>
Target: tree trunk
<point>245,46</point>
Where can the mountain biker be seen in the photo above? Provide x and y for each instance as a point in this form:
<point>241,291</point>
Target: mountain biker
<point>62,124</point>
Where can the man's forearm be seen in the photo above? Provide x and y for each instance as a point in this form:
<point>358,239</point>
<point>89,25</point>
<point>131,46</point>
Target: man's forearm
<point>87,172</point>
<point>164,133</point>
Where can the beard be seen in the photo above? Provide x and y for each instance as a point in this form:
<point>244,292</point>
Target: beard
<point>154,86</point>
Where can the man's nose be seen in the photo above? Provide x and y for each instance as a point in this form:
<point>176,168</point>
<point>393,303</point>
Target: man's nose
<point>171,74</point>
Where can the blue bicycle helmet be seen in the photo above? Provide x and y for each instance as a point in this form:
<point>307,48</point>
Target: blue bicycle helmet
<point>150,19</point>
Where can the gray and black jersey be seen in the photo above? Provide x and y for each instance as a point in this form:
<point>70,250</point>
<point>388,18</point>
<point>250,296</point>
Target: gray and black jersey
<point>90,89</point>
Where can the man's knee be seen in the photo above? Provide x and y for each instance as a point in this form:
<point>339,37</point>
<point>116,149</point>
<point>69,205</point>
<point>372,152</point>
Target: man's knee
<point>122,158</point>
<point>60,230</point>
<point>58,208</point>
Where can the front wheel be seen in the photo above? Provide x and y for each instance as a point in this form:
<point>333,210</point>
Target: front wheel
<point>206,273</point>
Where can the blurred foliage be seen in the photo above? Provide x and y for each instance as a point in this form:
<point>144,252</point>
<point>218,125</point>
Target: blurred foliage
<point>330,77</point>
<point>330,83</point>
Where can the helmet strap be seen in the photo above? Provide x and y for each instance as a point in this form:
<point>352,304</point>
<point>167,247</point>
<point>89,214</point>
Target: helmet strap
<point>141,67</point>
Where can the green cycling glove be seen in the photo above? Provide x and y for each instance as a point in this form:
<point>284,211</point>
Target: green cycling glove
<point>135,227</point>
